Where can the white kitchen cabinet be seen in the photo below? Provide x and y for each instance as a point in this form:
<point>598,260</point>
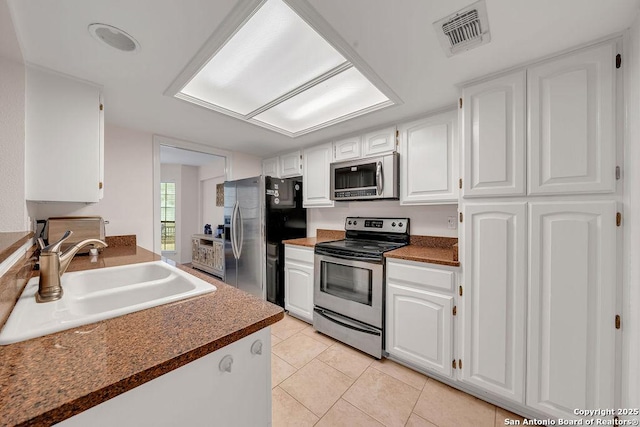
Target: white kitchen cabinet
<point>348,148</point>
<point>298,281</point>
<point>494,291</point>
<point>429,160</point>
<point>572,281</point>
<point>199,393</point>
<point>317,181</point>
<point>271,167</point>
<point>493,128</point>
<point>64,142</point>
<point>379,142</point>
<point>419,325</point>
<point>572,138</point>
<point>291,164</point>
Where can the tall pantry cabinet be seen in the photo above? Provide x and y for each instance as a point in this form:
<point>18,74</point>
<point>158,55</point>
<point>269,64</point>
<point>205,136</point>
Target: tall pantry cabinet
<point>539,217</point>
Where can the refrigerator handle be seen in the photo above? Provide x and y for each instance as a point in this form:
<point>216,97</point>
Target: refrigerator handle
<point>241,238</point>
<point>233,231</point>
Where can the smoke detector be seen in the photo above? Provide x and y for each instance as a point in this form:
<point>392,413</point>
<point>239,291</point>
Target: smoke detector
<point>465,29</point>
<point>114,37</point>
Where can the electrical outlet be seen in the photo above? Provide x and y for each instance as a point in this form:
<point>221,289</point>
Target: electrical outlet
<point>452,223</point>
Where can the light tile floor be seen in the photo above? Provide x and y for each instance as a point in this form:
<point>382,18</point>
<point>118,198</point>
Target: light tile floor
<point>319,381</point>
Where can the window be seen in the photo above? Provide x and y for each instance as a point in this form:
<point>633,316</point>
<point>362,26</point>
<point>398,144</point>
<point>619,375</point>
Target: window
<point>168,216</point>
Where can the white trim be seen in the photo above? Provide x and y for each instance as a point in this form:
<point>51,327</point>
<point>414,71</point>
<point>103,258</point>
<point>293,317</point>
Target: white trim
<point>15,257</point>
<point>159,140</point>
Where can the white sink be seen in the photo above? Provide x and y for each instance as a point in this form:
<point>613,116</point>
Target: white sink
<point>94,295</point>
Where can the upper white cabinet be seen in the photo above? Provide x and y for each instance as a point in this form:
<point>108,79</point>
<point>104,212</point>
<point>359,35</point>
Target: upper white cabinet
<point>348,148</point>
<point>493,127</point>
<point>571,123</point>
<point>291,164</point>
<point>429,160</point>
<point>494,325</point>
<point>316,183</point>
<point>283,166</point>
<point>419,315</point>
<point>572,290</point>
<point>64,146</point>
<point>378,142</point>
<point>271,167</point>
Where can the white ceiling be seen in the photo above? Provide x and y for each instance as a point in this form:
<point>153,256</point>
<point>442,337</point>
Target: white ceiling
<point>395,37</point>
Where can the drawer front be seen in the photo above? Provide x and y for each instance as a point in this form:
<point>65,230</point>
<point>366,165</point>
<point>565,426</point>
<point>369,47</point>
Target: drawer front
<point>419,275</point>
<point>298,253</point>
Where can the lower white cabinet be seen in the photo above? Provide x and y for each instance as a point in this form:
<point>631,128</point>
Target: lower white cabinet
<point>572,286</point>
<point>493,326</point>
<point>298,281</point>
<point>419,315</point>
<point>229,387</point>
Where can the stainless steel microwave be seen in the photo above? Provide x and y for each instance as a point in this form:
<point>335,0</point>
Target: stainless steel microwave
<point>371,178</point>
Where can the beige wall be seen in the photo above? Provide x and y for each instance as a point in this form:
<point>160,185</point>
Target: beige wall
<point>13,212</point>
<point>128,195</point>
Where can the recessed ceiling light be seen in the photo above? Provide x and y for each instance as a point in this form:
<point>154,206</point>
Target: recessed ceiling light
<point>114,37</point>
<point>275,70</point>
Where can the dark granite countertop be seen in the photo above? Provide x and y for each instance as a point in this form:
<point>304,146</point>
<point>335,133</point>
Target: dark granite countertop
<point>48,379</point>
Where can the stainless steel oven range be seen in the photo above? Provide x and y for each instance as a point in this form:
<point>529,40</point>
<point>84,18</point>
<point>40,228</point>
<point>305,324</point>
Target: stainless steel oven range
<point>348,287</point>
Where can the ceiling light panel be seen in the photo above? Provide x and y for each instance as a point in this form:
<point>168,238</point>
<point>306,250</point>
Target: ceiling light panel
<point>271,55</point>
<point>345,95</point>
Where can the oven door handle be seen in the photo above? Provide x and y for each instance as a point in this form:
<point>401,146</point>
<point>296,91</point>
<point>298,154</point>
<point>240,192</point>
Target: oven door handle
<point>363,258</point>
<point>379,178</point>
<point>346,322</point>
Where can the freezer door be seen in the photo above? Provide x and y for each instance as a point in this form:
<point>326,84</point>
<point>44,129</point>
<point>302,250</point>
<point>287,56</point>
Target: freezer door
<point>251,244</point>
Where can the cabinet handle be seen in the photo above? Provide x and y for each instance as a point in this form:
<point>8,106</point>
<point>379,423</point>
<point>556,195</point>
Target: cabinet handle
<point>226,363</point>
<point>256,347</point>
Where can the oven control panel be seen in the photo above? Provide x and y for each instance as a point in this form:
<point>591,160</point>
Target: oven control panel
<point>380,225</point>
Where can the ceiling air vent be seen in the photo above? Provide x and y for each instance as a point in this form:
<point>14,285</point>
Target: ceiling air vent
<point>464,30</point>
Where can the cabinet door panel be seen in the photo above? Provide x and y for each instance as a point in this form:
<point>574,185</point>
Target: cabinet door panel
<point>378,142</point>
<point>271,167</point>
<point>419,327</point>
<point>348,148</point>
<point>572,131</point>
<point>316,183</point>
<point>494,298</point>
<point>571,342</point>
<point>298,294</point>
<point>429,160</point>
<point>494,137</point>
<point>290,165</point>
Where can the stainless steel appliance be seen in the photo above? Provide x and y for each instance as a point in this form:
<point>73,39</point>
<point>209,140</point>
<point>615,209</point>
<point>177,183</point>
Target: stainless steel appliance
<point>348,291</point>
<point>259,213</point>
<point>371,178</point>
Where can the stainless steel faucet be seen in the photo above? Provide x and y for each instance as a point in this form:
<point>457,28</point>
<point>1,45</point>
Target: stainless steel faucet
<point>53,264</point>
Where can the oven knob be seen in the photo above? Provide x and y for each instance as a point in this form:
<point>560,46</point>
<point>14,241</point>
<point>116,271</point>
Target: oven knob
<point>349,222</point>
<point>393,224</point>
<point>399,224</point>
<point>355,222</point>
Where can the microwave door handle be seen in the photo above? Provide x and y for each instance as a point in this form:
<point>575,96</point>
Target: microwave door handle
<point>379,178</point>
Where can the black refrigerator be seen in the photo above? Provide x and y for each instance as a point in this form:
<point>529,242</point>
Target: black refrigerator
<point>260,213</point>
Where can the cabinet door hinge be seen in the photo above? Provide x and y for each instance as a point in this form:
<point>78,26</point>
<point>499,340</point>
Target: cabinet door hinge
<point>100,185</point>
<point>454,364</point>
<point>460,102</point>
<point>618,219</point>
<point>397,137</point>
<point>460,290</point>
<point>460,183</point>
<point>618,173</point>
<point>101,107</point>
<point>617,321</point>
<point>460,216</point>
<point>455,310</point>
<point>460,363</point>
<point>618,61</point>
